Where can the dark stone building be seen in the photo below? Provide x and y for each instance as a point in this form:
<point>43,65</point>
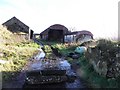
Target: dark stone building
<point>16,26</point>
<point>55,32</point>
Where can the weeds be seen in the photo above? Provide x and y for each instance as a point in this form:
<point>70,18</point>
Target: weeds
<point>95,73</point>
<point>16,50</point>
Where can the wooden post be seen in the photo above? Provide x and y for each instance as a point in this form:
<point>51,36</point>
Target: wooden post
<point>30,34</point>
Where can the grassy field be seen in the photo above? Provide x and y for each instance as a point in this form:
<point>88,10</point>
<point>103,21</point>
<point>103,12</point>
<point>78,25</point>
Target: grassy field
<point>16,51</point>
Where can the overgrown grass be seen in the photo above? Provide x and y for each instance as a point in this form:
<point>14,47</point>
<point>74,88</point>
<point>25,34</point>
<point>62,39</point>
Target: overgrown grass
<point>16,51</point>
<point>17,56</point>
<point>64,49</point>
<point>92,76</point>
<point>94,79</point>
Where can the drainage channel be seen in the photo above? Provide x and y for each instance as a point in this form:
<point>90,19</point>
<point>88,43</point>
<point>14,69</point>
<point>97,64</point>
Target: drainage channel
<point>66,85</point>
<point>19,82</point>
<point>63,65</point>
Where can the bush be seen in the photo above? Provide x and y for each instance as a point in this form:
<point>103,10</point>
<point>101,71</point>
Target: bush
<point>106,52</point>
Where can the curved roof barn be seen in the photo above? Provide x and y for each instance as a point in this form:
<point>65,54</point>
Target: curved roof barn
<point>55,32</point>
<point>84,32</point>
<point>55,27</point>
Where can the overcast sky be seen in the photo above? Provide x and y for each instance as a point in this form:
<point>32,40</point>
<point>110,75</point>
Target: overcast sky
<point>98,16</point>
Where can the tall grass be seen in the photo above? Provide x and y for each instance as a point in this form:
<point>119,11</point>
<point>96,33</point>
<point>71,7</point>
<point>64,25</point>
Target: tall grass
<point>16,50</point>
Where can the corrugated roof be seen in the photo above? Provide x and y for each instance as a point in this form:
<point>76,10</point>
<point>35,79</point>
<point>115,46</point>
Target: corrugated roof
<point>80,33</point>
<point>55,27</point>
<point>85,32</point>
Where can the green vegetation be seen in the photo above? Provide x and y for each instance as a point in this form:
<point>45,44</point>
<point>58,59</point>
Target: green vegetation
<point>64,49</point>
<point>94,64</point>
<point>99,66</point>
<point>16,51</point>
<point>97,63</point>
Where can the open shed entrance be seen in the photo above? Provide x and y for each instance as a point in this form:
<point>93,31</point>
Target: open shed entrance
<point>56,35</point>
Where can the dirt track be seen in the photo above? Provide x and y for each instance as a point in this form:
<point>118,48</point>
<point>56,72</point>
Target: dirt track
<point>18,82</point>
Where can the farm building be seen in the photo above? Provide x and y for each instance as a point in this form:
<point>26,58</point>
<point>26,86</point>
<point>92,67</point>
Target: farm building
<point>78,36</point>
<point>60,33</point>
<point>55,32</point>
<point>16,26</point>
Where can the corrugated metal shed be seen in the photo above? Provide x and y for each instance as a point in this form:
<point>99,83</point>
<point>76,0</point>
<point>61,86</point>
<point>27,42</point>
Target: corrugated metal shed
<point>55,32</point>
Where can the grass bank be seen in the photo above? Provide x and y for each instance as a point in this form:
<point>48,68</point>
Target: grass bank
<point>15,52</point>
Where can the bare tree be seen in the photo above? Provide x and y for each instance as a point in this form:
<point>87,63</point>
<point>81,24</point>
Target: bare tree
<point>72,29</point>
